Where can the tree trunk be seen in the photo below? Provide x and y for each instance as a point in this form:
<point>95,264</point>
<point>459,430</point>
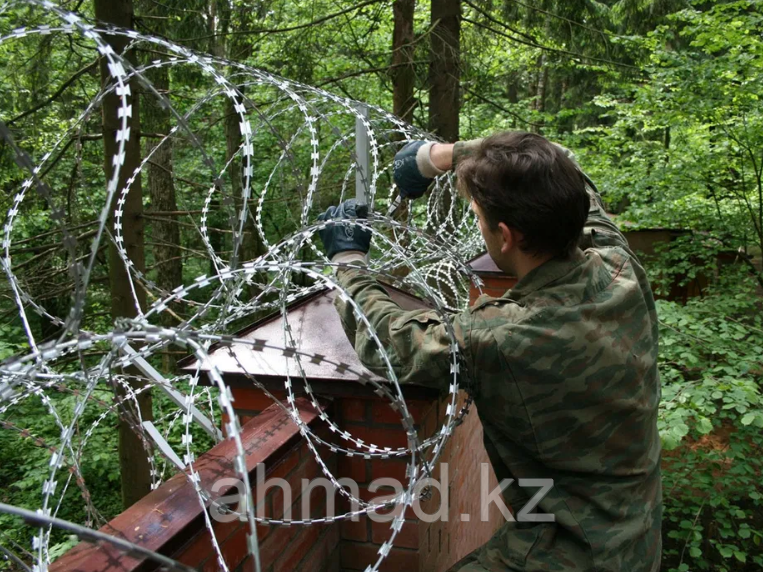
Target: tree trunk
<point>240,48</point>
<point>219,18</point>
<point>554,90</point>
<point>512,92</point>
<point>444,69</point>
<point>403,73</point>
<point>540,93</point>
<point>161,183</point>
<point>251,246</point>
<point>161,186</point>
<point>542,83</point>
<point>539,103</point>
<point>133,461</point>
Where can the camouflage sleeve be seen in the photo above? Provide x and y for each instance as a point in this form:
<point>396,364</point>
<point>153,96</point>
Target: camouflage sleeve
<point>599,229</point>
<point>417,342</point>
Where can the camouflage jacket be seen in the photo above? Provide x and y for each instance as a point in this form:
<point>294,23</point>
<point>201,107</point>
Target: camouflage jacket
<point>566,386</point>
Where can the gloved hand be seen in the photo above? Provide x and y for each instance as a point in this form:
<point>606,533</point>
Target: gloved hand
<point>342,237</point>
<point>413,169</point>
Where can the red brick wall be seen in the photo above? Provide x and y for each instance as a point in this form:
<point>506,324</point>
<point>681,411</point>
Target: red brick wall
<point>422,546</point>
<point>169,520</point>
<point>374,421</point>
<point>250,402</point>
<point>494,285</point>
<point>171,515</point>
<point>443,543</point>
<point>282,548</point>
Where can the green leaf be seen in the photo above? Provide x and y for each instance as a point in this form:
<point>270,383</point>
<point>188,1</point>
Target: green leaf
<point>748,419</point>
<point>681,429</point>
<point>704,425</point>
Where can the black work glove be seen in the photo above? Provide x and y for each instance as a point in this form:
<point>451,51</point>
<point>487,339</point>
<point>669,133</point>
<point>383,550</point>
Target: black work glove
<point>342,237</point>
<point>413,170</point>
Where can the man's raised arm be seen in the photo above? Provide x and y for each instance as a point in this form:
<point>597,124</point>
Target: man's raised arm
<point>417,343</point>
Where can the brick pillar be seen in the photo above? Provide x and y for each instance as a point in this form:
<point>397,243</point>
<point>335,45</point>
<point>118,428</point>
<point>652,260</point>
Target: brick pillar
<point>169,520</point>
<point>495,282</point>
<point>420,545</point>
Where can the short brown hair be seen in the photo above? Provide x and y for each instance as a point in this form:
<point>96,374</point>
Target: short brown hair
<point>531,185</point>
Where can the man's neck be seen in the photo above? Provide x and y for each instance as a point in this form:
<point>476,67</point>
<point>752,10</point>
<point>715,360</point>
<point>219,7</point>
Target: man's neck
<point>523,265</point>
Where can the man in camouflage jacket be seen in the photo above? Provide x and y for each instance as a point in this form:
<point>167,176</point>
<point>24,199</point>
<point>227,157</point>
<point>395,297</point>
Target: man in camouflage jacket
<point>564,365</point>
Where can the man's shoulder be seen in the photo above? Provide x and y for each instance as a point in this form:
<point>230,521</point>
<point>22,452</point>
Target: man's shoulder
<point>609,275</point>
<point>619,276</point>
<point>607,267</point>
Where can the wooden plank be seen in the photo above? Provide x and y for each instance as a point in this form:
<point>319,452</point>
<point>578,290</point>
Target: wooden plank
<point>165,519</point>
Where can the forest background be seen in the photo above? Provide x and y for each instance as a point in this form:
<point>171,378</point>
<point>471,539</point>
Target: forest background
<point>659,99</point>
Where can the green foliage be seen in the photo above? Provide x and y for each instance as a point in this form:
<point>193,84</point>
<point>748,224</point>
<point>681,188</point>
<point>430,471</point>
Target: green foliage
<point>24,459</point>
<point>24,464</point>
<point>684,148</point>
<point>713,504</point>
<point>711,416</point>
<point>711,356</point>
<point>11,340</point>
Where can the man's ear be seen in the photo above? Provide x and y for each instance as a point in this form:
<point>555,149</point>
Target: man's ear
<point>509,237</point>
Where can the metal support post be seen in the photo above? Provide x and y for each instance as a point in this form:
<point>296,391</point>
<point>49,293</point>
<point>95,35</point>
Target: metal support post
<point>362,157</point>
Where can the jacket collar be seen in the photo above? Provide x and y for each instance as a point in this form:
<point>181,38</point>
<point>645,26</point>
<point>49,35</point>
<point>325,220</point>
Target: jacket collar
<point>545,274</point>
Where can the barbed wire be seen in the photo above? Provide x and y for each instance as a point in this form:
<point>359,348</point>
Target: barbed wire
<point>298,143</point>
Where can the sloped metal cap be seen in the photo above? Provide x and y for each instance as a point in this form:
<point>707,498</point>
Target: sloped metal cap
<point>325,353</point>
<point>483,264</point>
